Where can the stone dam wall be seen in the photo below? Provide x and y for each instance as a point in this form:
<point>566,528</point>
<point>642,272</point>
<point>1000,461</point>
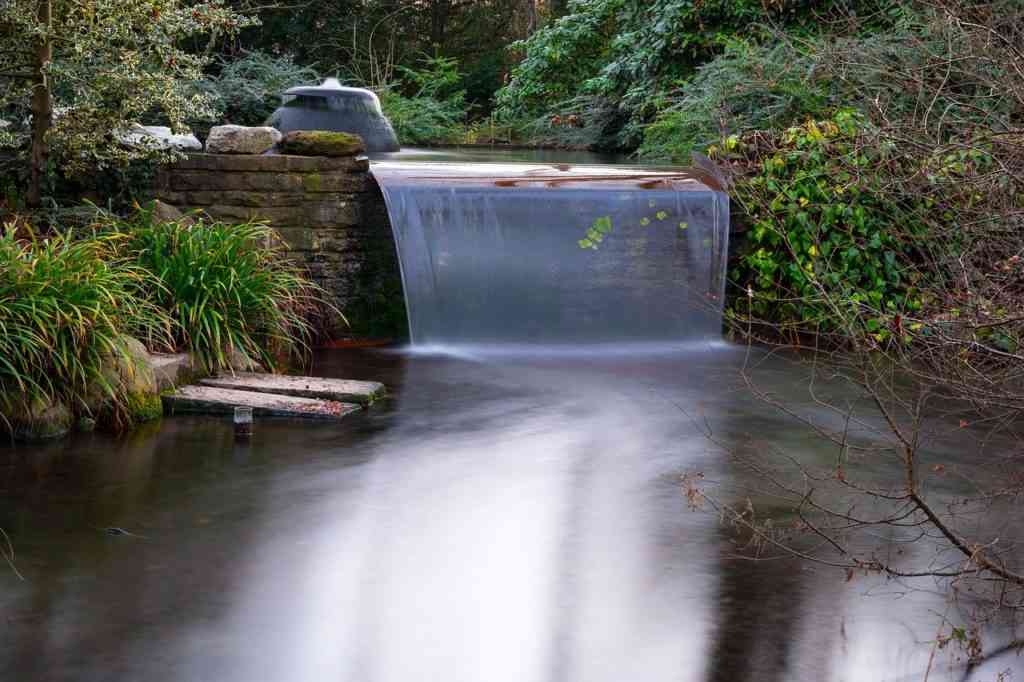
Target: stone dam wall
<point>330,213</point>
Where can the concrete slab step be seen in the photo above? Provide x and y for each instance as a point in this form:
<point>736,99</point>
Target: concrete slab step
<point>211,400</point>
<point>345,390</point>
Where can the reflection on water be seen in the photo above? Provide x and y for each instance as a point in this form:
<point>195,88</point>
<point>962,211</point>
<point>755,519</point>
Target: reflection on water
<point>517,519</point>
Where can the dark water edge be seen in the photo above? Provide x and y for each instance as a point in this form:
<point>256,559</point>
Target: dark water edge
<point>514,517</point>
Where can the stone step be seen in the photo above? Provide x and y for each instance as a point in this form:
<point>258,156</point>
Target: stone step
<point>210,400</point>
<point>345,390</point>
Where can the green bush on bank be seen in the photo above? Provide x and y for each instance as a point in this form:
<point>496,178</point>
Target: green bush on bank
<point>74,308</point>
<point>823,227</point>
<point>247,89</point>
<point>66,306</point>
<point>748,87</point>
<point>229,289</point>
<point>426,105</point>
<point>622,63</point>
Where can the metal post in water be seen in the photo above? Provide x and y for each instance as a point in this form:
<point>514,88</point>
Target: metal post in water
<point>243,422</point>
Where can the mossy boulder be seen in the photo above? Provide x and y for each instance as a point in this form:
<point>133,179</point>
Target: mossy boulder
<point>144,407</point>
<point>321,143</point>
<point>37,420</point>
<point>128,373</point>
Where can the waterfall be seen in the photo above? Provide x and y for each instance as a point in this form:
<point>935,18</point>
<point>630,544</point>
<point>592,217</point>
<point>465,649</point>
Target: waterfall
<point>529,254</point>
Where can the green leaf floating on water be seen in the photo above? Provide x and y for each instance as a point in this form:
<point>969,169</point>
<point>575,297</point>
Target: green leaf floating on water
<point>683,226</point>
<point>595,234</point>
<point>661,215</point>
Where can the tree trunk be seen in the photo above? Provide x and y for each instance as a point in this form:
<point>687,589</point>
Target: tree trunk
<point>42,106</point>
<point>530,10</point>
<point>439,12</point>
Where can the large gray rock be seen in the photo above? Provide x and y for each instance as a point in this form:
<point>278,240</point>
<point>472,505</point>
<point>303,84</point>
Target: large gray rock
<point>129,373</point>
<point>232,139</point>
<point>239,361</point>
<point>165,213</point>
<point>159,137</point>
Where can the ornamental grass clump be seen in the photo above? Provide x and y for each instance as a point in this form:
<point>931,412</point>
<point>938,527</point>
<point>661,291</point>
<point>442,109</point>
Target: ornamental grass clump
<point>234,296</point>
<point>66,306</point>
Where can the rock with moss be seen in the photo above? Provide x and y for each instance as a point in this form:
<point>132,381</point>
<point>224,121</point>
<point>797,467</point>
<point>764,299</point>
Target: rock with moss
<point>321,143</point>
<point>143,407</point>
<point>128,390</point>
<point>37,419</point>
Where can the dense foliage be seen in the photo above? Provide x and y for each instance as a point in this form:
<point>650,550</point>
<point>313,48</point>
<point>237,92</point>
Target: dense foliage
<point>435,108</point>
<point>366,41</point>
<point>748,87</point>
<point>88,73</point>
<point>246,89</point>
<point>65,306</point>
<point>823,231</point>
<point>228,289</point>
<point>70,302</point>
<point>913,214</point>
<point>622,61</point>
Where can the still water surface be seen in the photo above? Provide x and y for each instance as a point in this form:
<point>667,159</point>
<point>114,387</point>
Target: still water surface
<point>497,519</point>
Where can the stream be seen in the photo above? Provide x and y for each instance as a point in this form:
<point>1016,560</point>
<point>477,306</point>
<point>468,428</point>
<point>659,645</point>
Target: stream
<point>498,518</point>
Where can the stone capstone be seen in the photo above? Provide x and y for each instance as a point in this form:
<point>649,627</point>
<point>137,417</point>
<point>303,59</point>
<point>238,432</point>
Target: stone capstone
<point>232,139</point>
<point>321,143</point>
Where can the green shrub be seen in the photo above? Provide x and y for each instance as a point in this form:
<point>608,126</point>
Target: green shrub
<point>636,58</point>
<point>827,243</point>
<point>749,87</point>
<point>229,288</point>
<point>65,305</point>
<point>248,89</point>
<point>422,120</point>
<point>426,106</point>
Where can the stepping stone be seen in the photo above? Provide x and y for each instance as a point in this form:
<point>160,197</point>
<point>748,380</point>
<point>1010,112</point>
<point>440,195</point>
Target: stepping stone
<point>362,392</point>
<point>209,400</point>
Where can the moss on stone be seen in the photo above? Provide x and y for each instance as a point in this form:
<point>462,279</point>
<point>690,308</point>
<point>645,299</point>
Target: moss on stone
<point>312,182</point>
<point>321,143</point>
<point>143,407</point>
